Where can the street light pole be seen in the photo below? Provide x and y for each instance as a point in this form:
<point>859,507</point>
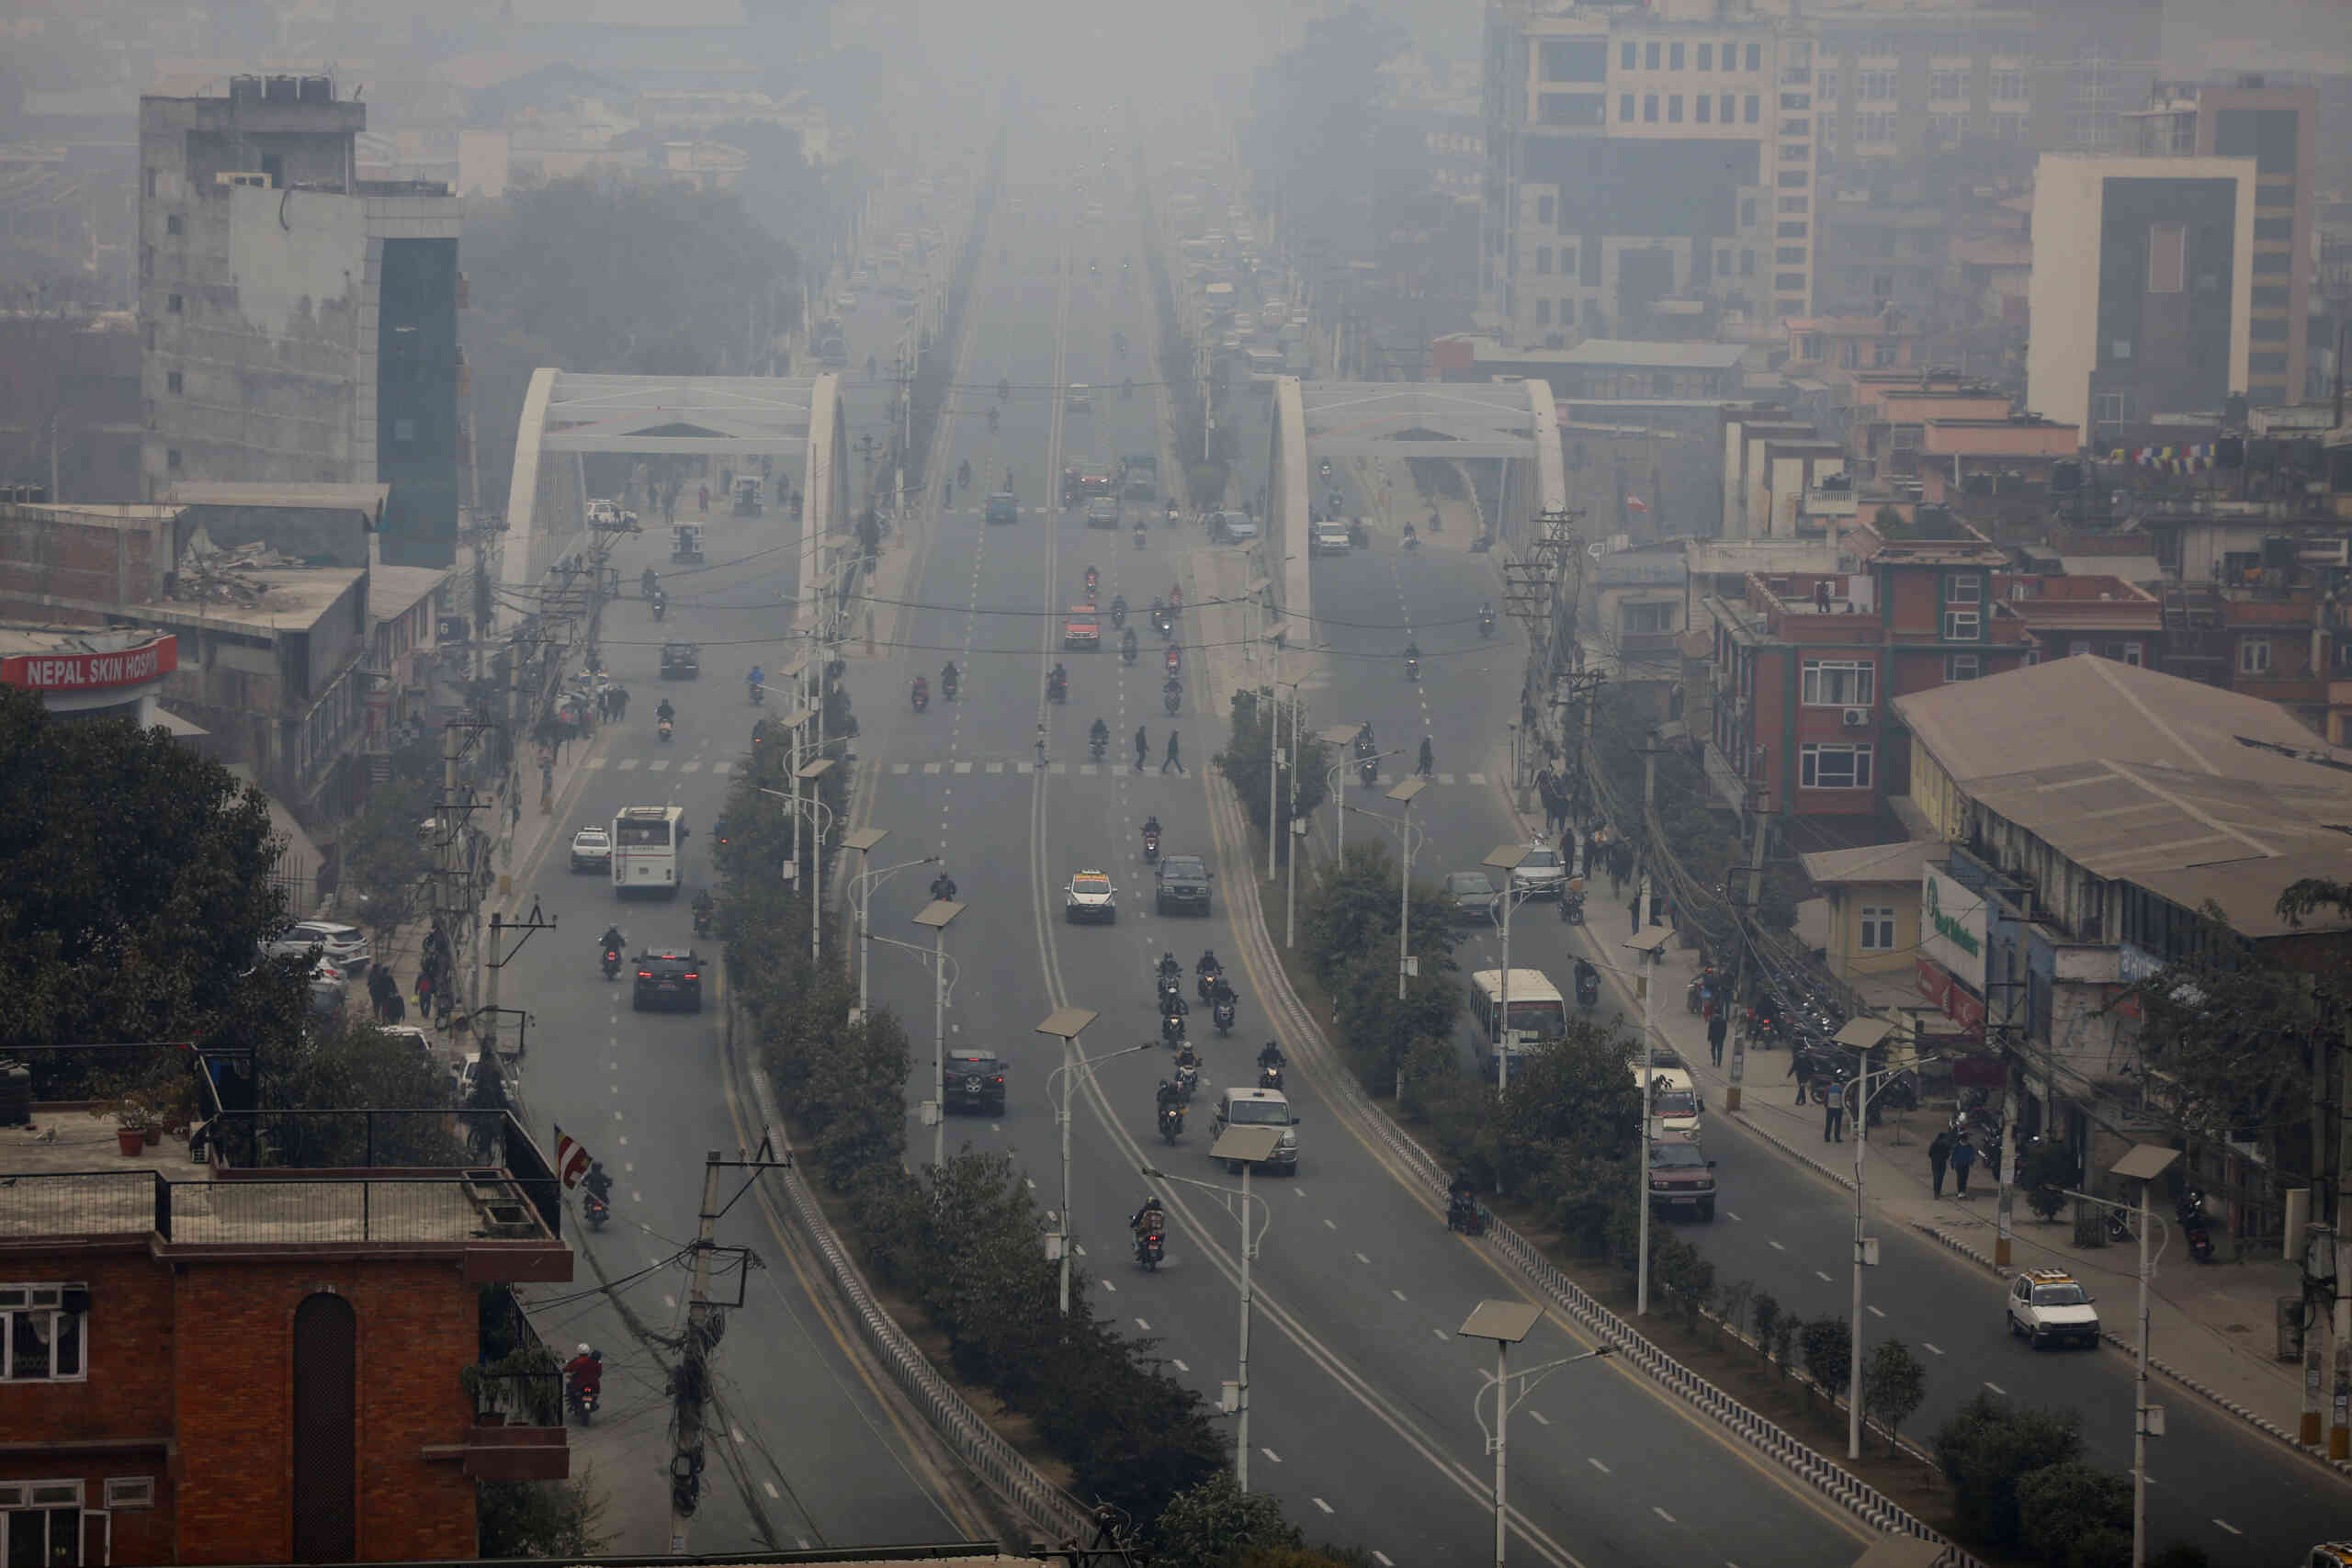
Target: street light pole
<point>1505,859</point>
<point>2142,1163</point>
<point>1338,736</point>
<point>938,914</point>
<point>1508,1323</point>
<point>1403,793</point>
<point>1651,948</point>
<point>1066,1024</point>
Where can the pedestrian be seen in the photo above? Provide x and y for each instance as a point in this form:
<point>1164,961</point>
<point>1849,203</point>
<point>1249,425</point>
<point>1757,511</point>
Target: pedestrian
<point>1041,744</point>
<point>1143,747</point>
<point>1718,1026</point>
<point>1938,1156</point>
<point>514,811</point>
<point>701,497</point>
<point>1833,1116</point>
<point>620,703</point>
<point>1633,914</point>
<point>1429,758</point>
<point>425,993</point>
<point>725,481</point>
<point>1175,758</point>
<point>1800,1068</point>
<point>395,1010</point>
<point>1963,1157</point>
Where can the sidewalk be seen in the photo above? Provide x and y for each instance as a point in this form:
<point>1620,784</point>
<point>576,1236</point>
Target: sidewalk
<point>2211,1328</point>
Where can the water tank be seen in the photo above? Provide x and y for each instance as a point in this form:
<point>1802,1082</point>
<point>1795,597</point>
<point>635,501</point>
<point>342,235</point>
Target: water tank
<point>244,89</point>
<point>317,89</point>
<point>15,1094</point>
<point>281,90</point>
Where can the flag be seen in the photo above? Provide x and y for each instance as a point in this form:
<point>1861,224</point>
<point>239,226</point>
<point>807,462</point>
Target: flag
<point>1635,503</point>
<point>571,1158</point>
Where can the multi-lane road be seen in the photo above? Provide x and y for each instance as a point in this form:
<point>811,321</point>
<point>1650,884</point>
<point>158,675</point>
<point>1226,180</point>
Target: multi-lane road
<point>1362,1392</point>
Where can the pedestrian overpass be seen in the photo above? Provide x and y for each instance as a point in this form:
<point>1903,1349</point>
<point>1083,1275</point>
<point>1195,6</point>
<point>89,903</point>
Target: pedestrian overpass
<point>797,423</point>
<point>1510,424</point>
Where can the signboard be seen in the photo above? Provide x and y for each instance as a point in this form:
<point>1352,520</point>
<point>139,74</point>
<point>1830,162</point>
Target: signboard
<point>2134,965</point>
<point>1951,926</point>
<point>92,671</point>
<point>1957,1003</point>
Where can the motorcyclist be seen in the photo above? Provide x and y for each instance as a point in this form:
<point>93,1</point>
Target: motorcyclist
<point>1209,963</point>
<point>943,887</point>
<point>1127,644</point>
<point>923,688</point>
<point>1152,830</point>
<point>599,1181</point>
<point>705,907</point>
<point>666,714</point>
<point>1118,608</point>
<point>1221,991</point>
<point>1169,969</point>
<point>1058,676</point>
<point>650,583</point>
<point>1188,1057</point>
<point>1587,979</point>
<point>1170,1098</point>
<point>614,942</point>
<point>1099,734</point>
<point>585,1373</point>
<point>964,473</point>
<point>756,683</point>
<point>1412,535</point>
<point>1486,615</point>
<point>1148,1220</point>
<point>1004,388</point>
<point>947,678</point>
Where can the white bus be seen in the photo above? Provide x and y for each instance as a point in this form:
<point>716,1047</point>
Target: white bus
<point>1538,1012</point>
<point>646,843</point>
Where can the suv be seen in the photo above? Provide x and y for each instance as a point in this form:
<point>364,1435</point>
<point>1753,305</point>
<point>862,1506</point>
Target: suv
<point>1002,507</point>
<point>592,850</point>
<point>2049,1306</point>
<point>1083,628</point>
<point>668,980</point>
<point>1232,527</point>
<point>1675,1101</point>
<point>342,947</point>
<point>1089,898</point>
<point>975,1082</point>
<point>1683,1178</point>
<point>1542,874</point>
<point>1102,512</point>
<point>1183,886</point>
<point>681,662</point>
<point>1260,1108</point>
<point>1330,538</point>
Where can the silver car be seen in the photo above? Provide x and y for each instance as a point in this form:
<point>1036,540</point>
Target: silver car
<point>1233,527</point>
<point>343,946</point>
<point>1542,874</point>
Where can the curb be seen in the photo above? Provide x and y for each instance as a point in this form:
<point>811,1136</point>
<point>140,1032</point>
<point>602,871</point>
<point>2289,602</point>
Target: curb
<point>2221,1402</point>
<point>1858,1497</point>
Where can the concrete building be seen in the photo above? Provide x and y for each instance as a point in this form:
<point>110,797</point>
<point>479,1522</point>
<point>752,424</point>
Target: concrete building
<point>69,403</point>
<point>2278,128</point>
<point>2141,295</point>
<point>209,1368</point>
<point>1646,165</point>
<point>300,324</point>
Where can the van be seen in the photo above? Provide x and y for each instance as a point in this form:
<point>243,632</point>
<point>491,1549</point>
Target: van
<point>1675,1103</point>
<point>1260,1108</point>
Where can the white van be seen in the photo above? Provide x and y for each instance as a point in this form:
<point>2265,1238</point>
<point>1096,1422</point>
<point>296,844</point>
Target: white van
<point>1676,1104</point>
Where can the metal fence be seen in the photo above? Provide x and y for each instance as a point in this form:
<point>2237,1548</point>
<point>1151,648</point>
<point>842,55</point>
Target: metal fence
<point>426,1209</point>
<point>398,1140</point>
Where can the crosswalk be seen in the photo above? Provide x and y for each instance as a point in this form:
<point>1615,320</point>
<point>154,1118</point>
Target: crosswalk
<point>1091,770</point>
<point>656,765</point>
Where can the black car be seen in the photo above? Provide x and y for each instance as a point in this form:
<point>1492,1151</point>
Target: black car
<point>681,662</point>
<point>975,1082</point>
<point>668,980</point>
<point>1183,886</point>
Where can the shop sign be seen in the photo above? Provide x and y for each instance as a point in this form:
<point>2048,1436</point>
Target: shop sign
<point>1951,924</point>
<point>1958,1003</point>
<point>92,671</point>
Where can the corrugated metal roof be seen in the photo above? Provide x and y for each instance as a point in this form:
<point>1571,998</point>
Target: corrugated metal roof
<point>368,499</point>
<point>1873,863</point>
<point>2247,893</point>
<point>2122,820</point>
<point>1656,356</point>
<point>2086,708</point>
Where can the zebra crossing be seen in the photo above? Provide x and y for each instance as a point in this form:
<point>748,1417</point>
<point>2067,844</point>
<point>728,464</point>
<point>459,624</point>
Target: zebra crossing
<point>1091,770</point>
<point>657,765</point>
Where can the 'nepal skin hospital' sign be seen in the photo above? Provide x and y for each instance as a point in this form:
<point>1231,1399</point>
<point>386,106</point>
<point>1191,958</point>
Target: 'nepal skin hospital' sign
<point>72,672</point>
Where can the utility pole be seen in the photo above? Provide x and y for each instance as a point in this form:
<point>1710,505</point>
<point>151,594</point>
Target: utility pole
<point>1760,832</point>
<point>2339,1429</point>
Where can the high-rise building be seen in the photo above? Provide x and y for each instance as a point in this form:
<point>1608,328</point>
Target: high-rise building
<point>300,324</point>
<point>1643,165</point>
<point>2278,127</point>
<point>2141,289</point>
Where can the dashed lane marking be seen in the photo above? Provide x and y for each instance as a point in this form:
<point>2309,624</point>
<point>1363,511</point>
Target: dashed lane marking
<point>963,767</point>
<point>1362,1258</point>
<point>769,1484</point>
<point>1661,1513</point>
<point>2229,1526</point>
<point>1932,1349</point>
<point>626,764</point>
<point>1997,1388</point>
<point>1142,1324</point>
<point>1271,1456</point>
<point>1181,1367</point>
<point>1822,1277</point>
<point>1398,1294</point>
<point>1871,1310</point>
<point>690,767</point>
<point>931,767</point>
<point>1774,1245</point>
<point>1322,1504</point>
<point>658,765</point>
<point>1598,1465</point>
<point>1541,1419</point>
<point>1382,1558</point>
<point>901,767</point>
<point>722,767</point>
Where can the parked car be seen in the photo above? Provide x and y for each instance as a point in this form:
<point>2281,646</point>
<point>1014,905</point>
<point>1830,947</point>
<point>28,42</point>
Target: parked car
<point>344,947</point>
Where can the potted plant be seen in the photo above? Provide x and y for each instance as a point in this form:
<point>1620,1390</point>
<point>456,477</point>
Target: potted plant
<point>134,1122</point>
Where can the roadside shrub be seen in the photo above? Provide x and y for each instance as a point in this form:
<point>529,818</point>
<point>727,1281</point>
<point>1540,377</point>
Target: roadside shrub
<point>2076,1515</point>
<point>1893,1383</point>
<point>1828,1346</point>
<point>1986,1449</point>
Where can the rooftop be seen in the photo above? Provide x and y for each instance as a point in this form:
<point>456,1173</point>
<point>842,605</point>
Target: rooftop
<point>2122,820</point>
<point>1656,355</point>
<point>394,591</point>
<point>1902,863</point>
<point>2086,708</point>
<point>368,499</point>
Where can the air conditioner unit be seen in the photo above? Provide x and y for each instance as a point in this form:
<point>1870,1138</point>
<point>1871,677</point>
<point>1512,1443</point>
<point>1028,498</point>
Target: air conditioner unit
<point>254,178</point>
<point>1857,718</point>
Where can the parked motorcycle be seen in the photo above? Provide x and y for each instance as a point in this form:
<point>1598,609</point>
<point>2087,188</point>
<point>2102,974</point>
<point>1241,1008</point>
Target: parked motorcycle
<point>1463,1214</point>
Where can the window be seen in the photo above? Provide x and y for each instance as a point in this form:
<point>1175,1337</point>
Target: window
<point>1796,204</point>
<point>1964,625</point>
<point>1747,213</point>
<point>1788,282</point>
<point>1796,100</point>
<point>2274,228</point>
<point>2107,408</point>
<point>1876,127</point>
<point>2133,654</point>
<point>1576,59</point>
<point>1747,263</point>
<point>1834,766</point>
<point>172,382</point>
<point>1674,57</point>
<point>1573,108</point>
<point>172,460</point>
<point>1625,103</point>
<point>1756,57</point>
<point>2254,656</point>
<point>1723,106</point>
<point>2008,86</point>
<point>404,431</point>
<point>40,1524</point>
<point>1791,232</point>
<point>2267,330</point>
<point>1543,260</point>
<point>1649,56</point>
<point>1795,152</point>
<point>1674,109</point>
<point>1567,260</point>
<point>131,1491</point>
<point>172,303</point>
<point>1948,128</point>
<point>2271,298</point>
<point>1703,108</point>
<point>1960,667</point>
<point>1878,928</point>
<point>1753,109</point>
<point>1544,210</point>
<point>172,223</point>
<point>1874,85</point>
<point>1839,682</point>
<point>1649,109</point>
<point>2274,261</point>
<point>1788,255</point>
<point>40,1333</point>
<point>1657,618</point>
<point>1965,588</point>
<point>1625,58</point>
<point>1729,55</point>
<point>1947,84</point>
<point>1543,312</point>
<point>1706,57</point>
<point>2167,257</point>
<point>1800,129</point>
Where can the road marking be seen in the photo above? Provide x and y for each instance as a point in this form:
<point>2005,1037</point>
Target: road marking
<point>1382,1558</point>
<point>1661,1513</point>
<point>1024,767</point>
<point>1822,1277</point>
<point>626,764</point>
<point>1733,1213</point>
<point>1110,1287</point>
<point>2229,1526</point>
<point>769,1484</point>
<point>1873,1310</point>
<point>963,767</point>
<point>1439,1332</point>
<point>995,767</point>
<point>1541,1419</point>
<point>1774,1245</point>
<point>1442,778</point>
<point>1598,1465</point>
<point>1142,1324</point>
<point>1330,1224</point>
<point>1997,1388</point>
<point>722,767</point>
<point>901,767</point>
<point>1322,1504</point>
<point>594,762</point>
<point>1180,1366</point>
<point>1271,1455</point>
<point>1362,1258</point>
<point>930,768</point>
<point>1398,1294</point>
<point>658,765</point>
<point>1931,1348</point>
<point>670,1302</point>
<point>1299,1191</point>
<point>1033,1182</point>
<point>1088,770</point>
<point>690,767</point>
<point>736,1432</point>
<point>1475,778</point>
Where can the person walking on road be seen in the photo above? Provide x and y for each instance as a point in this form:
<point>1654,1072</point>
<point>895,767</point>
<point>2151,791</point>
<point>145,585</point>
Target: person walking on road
<point>1718,1026</point>
<point>1938,1156</point>
<point>701,497</point>
<point>1964,1157</point>
<point>1041,744</point>
<point>1175,757</point>
<point>1833,1116</point>
<point>1429,758</point>
<point>1800,1067</point>
<point>1143,748</point>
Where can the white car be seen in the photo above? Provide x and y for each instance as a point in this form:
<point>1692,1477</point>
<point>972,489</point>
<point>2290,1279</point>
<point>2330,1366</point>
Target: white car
<point>344,947</point>
<point>592,850</point>
<point>1542,874</point>
<point>1091,897</point>
<point>2049,1306</point>
<point>1232,527</point>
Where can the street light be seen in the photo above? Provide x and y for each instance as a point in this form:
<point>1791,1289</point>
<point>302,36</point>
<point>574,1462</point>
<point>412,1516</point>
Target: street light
<point>1507,1324</point>
<point>1860,1036</point>
<point>1505,859</point>
<point>939,914</point>
<point>1650,943</point>
<point>1066,1024</point>
<point>794,804</point>
<point>1403,793</point>
<point>1335,778</point>
<point>1247,1147</point>
<point>864,885</point>
<point>2142,1163</point>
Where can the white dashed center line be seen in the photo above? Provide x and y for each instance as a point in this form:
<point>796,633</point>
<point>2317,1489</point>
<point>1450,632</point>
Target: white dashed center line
<point>1322,1504</point>
<point>1599,1466</point>
<point>1997,1388</point>
<point>1931,1348</point>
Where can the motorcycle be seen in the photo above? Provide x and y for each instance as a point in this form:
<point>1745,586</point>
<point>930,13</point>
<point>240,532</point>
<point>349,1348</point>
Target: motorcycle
<point>1412,541</point>
<point>1150,1248</point>
<point>920,697</point>
<point>1587,988</point>
<point>1172,695</point>
<point>584,1398</point>
<point>1118,614</point>
<point>1175,660</point>
<point>1163,623</point>
<point>702,921</point>
<point>1169,990</point>
<point>2190,1212</point>
<point>1485,623</point>
<point>1412,669</point>
<point>1057,688</point>
<point>612,962</point>
<point>1171,1029</point>
<point>1369,771</point>
<point>1150,845</point>
<point>1171,1123</point>
<point>1269,1077</point>
<point>596,1209</point>
<point>1096,746</point>
<point>1572,907</point>
<point>1127,648</point>
<point>1093,579</point>
<point>661,606</point>
<point>1188,1082</point>
<point>1222,1013</point>
<point>1205,982</point>
<point>1692,997</point>
<point>1463,1214</point>
<point>663,728</point>
<point>1141,536</point>
<point>948,687</point>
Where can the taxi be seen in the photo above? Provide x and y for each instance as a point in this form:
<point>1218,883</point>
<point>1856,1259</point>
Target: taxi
<point>1083,629</point>
<point>1091,897</point>
<point>2049,1306</point>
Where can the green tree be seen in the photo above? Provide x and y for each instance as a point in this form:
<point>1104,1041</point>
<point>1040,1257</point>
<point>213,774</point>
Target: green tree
<point>1217,1525</point>
<point>1893,1383</point>
<point>1828,1346</point>
<point>2076,1515</point>
<point>2048,1170</point>
<point>1246,760</point>
<point>1986,1449</point>
<point>540,1518</point>
<point>139,887</point>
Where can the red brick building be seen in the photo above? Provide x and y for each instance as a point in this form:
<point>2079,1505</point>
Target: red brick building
<point>219,1366</point>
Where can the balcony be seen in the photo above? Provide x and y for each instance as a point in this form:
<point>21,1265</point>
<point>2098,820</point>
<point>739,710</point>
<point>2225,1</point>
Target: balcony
<point>517,1386</point>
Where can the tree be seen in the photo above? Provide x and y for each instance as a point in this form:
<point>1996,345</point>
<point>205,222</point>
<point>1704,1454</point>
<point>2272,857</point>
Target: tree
<point>1767,1309</point>
<point>1985,1448</point>
<point>1246,759</point>
<point>540,1518</point>
<point>1217,1525</point>
<point>140,887</point>
<point>1828,1344</point>
<point>1893,1383</point>
<point>2076,1515</point>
